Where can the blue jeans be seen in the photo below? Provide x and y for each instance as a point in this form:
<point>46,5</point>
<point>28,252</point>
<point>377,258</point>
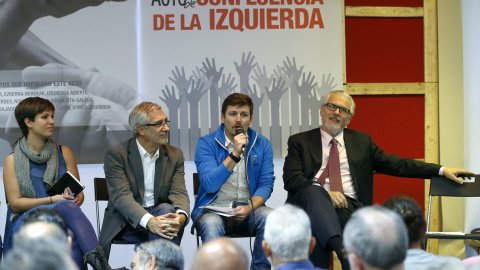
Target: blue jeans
<point>142,235</point>
<point>210,226</point>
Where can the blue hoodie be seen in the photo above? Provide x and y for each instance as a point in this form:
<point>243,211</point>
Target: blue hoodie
<point>209,156</point>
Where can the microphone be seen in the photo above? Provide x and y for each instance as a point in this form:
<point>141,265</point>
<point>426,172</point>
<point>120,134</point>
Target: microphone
<point>239,130</point>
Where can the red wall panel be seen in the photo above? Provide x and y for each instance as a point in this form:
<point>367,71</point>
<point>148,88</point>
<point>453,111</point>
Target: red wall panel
<point>384,50</point>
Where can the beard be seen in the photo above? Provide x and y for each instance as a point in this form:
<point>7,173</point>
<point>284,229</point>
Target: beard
<point>332,129</point>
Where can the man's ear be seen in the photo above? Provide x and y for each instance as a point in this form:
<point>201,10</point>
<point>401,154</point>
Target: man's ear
<point>357,262</point>
<point>266,249</point>
<point>150,265</point>
<point>140,130</point>
<point>313,242</point>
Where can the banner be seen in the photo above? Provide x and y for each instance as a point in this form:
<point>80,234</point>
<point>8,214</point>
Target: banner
<point>97,63</point>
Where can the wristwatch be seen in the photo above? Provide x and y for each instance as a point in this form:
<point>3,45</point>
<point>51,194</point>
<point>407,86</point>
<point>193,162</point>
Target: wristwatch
<point>236,159</point>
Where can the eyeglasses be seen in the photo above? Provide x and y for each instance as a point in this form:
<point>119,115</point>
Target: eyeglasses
<point>332,107</point>
<point>160,124</point>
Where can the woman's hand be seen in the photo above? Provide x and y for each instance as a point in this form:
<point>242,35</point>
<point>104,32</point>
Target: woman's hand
<point>66,195</point>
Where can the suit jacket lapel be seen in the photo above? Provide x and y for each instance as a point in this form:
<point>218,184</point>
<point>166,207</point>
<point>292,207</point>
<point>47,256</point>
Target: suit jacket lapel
<point>137,167</point>
<point>315,146</point>
<point>160,167</point>
<point>349,147</point>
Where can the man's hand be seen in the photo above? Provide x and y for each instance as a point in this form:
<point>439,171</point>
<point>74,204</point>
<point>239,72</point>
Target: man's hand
<point>243,211</point>
<point>165,226</point>
<point>338,199</point>
<point>452,173</point>
<point>181,219</point>
<point>239,141</point>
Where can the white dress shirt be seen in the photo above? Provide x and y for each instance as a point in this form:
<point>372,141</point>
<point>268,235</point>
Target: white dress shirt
<point>148,164</point>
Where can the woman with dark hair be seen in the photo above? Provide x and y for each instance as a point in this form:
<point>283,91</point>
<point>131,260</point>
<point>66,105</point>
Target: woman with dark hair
<point>35,165</point>
<point>412,215</point>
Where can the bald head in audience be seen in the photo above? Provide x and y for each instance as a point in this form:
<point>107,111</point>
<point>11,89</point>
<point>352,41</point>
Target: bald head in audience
<point>41,235</point>
<point>220,254</point>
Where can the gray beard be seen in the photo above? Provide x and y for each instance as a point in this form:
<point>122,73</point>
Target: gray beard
<point>333,130</point>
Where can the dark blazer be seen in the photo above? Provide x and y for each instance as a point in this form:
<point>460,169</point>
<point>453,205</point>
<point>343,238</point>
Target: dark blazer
<point>124,175</point>
<point>304,159</point>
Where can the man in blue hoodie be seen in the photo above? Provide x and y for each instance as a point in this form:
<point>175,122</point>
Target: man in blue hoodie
<point>235,167</point>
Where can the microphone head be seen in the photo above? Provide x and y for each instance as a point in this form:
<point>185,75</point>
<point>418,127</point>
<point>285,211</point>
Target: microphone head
<point>239,130</point>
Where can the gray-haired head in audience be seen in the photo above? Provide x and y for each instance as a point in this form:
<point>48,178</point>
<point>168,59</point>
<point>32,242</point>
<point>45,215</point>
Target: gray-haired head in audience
<point>158,254</point>
<point>375,237</point>
<point>288,235</point>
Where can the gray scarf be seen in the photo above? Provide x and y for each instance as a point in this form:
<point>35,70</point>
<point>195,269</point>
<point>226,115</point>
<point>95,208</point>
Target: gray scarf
<point>22,155</point>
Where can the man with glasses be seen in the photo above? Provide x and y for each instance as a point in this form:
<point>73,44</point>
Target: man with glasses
<point>146,184</point>
<point>158,254</point>
<point>328,172</point>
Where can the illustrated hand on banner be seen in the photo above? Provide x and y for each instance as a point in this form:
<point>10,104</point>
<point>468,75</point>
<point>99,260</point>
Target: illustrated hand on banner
<point>227,86</point>
<point>277,91</point>
<point>244,70</point>
<point>212,73</point>
<point>261,77</point>
<point>180,79</point>
<point>200,76</point>
<point>17,16</point>
<point>307,86</point>
<point>291,69</point>
<point>252,93</point>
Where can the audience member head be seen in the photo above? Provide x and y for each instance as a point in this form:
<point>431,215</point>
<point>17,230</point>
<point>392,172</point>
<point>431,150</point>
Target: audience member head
<point>375,238</point>
<point>288,235</point>
<point>140,116</point>
<point>237,99</point>
<point>47,215</point>
<point>52,259</point>
<point>29,108</point>
<point>158,254</point>
<point>412,215</point>
<point>220,254</point>
<point>41,235</point>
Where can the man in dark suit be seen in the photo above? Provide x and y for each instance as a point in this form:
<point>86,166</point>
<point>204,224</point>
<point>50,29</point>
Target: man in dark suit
<point>330,191</point>
<point>146,184</point>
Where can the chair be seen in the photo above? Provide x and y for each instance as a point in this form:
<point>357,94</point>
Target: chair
<point>101,194</point>
<point>196,186</point>
<point>442,186</point>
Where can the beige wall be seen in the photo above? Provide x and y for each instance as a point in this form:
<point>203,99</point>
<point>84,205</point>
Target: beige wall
<point>451,113</point>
